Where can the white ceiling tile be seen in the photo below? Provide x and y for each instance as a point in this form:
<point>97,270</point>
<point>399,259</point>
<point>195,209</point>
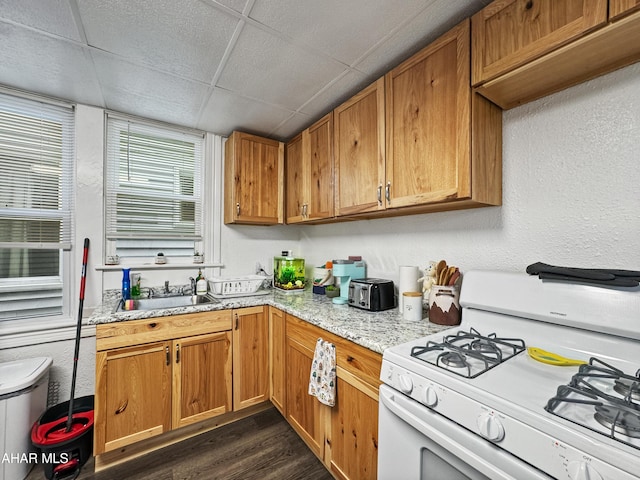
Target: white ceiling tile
<point>187,38</point>
<point>237,5</point>
<point>52,16</point>
<point>292,126</point>
<point>49,66</point>
<point>336,93</point>
<point>266,67</point>
<point>422,30</point>
<point>343,30</point>
<point>226,111</point>
<point>138,90</point>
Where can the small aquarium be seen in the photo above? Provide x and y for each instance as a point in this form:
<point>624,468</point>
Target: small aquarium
<point>288,273</point>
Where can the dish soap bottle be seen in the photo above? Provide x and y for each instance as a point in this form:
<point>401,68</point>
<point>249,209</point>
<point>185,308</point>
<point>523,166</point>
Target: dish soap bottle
<point>201,284</point>
<point>126,284</point>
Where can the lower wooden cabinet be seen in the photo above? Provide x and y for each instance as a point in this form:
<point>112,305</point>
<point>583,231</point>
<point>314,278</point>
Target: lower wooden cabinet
<point>250,356</point>
<point>201,377</point>
<point>277,354</point>
<point>345,436</point>
<point>160,374</point>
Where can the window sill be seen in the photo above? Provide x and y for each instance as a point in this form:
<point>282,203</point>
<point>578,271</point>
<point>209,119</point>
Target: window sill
<point>52,333</point>
<point>154,266</point>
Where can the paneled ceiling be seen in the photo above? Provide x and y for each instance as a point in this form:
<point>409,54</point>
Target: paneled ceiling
<point>270,67</point>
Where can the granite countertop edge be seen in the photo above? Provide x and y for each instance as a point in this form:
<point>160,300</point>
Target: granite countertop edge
<point>375,331</point>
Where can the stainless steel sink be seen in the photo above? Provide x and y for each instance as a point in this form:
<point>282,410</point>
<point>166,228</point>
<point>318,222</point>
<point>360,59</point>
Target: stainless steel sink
<point>158,303</point>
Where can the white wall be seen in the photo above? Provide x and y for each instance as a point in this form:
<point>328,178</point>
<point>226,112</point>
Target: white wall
<point>571,178</point>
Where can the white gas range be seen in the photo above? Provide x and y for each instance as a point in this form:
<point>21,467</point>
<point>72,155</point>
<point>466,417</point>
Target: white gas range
<point>471,403</point>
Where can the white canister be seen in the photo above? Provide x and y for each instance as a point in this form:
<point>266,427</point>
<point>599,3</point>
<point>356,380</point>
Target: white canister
<point>412,306</point>
<point>408,283</point>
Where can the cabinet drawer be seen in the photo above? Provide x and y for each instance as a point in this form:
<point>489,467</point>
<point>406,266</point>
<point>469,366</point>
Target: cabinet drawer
<point>137,332</point>
<point>358,361</point>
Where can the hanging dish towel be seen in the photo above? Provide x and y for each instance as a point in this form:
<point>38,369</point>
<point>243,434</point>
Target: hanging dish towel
<point>322,380</point>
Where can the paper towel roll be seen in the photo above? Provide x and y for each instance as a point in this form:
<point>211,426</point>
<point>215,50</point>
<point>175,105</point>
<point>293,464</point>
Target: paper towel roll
<point>409,276</point>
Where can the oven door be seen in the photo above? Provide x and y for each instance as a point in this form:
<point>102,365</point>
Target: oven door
<point>416,442</point>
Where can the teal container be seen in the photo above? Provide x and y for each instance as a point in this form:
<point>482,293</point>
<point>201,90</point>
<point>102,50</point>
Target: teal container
<point>288,273</point>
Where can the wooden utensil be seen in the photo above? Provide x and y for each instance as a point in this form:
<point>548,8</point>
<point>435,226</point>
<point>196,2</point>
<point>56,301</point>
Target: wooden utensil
<point>454,278</point>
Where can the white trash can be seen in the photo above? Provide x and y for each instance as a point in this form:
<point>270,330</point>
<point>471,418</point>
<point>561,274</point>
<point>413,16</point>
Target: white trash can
<point>23,398</point>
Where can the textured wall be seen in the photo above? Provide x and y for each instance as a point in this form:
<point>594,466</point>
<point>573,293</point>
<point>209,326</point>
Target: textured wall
<point>571,171</point>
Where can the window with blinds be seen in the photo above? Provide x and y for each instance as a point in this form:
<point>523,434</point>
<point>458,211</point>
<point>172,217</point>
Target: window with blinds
<point>36,208</point>
<point>153,189</point>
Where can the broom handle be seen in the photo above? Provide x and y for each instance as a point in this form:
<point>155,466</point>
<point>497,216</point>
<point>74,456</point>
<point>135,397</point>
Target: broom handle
<point>76,354</point>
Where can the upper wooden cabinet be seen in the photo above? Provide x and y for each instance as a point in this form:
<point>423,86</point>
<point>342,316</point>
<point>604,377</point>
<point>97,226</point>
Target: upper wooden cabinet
<point>359,151</point>
<point>427,124</point>
<point>419,140</point>
<point>509,33</point>
<point>526,49</point>
<point>618,8</point>
<point>309,173</point>
<point>254,180</point>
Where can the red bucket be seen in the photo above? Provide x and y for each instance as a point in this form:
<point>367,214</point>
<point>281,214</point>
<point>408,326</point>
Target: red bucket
<point>64,453</point>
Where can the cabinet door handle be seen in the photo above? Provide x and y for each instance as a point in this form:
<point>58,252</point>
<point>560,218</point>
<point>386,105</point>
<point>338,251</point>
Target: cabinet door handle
<point>380,194</point>
<point>236,321</point>
<point>168,353</point>
<point>387,192</point>
<point>178,353</point>
<point>122,407</point>
<point>238,208</point>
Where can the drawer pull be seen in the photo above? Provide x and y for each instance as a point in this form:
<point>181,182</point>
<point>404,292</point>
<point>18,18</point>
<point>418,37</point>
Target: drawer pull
<point>122,407</point>
<point>529,5</point>
<point>178,353</point>
<point>168,353</point>
<point>350,358</point>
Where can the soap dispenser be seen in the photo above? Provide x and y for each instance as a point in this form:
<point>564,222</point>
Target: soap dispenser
<point>201,284</point>
<point>126,284</point>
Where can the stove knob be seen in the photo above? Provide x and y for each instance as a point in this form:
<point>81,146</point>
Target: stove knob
<point>406,384</point>
<point>430,397</point>
<point>583,471</point>
<point>490,427</point>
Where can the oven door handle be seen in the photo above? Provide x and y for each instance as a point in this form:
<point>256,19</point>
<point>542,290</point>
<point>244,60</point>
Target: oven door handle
<point>444,431</point>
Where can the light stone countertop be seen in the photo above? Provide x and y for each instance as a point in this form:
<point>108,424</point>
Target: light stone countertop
<point>373,330</point>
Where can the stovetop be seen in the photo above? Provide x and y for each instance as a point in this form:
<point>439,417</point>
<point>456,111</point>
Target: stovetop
<point>601,398</point>
<point>468,352</point>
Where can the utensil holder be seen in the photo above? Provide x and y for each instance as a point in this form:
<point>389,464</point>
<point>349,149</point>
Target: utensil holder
<point>444,305</point>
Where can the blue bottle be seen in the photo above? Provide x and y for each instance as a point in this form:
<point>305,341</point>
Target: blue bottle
<point>126,284</point>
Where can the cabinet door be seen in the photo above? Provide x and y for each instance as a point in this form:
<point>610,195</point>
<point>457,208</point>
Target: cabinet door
<point>201,377</point>
<point>254,180</point>
<point>509,33</point>
<point>277,363</point>
<point>295,177</point>
<point>619,8</point>
<point>250,357</point>
<point>359,151</point>
<point>133,395</point>
<point>321,196</point>
<point>303,411</point>
<point>354,430</point>
<point>428,124</point>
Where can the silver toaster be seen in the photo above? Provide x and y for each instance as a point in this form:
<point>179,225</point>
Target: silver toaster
<point>373,294</point>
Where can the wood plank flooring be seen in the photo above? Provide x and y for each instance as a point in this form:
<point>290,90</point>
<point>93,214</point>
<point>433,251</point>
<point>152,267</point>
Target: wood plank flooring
<point>262,446</point>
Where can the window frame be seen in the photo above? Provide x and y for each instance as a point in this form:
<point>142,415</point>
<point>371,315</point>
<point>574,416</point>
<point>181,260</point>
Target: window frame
<point>200,172</point>
<point>26,104</point>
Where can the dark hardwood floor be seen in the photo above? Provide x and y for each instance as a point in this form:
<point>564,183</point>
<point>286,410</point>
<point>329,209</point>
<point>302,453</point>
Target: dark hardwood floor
<point>262,446</point>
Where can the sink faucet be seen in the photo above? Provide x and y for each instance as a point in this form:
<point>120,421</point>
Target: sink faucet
<point>193,285</point>
<point>166,287</point>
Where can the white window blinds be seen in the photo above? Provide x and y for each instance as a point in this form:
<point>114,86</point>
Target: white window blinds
<point>36,192</point>
<point>153,182</point>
